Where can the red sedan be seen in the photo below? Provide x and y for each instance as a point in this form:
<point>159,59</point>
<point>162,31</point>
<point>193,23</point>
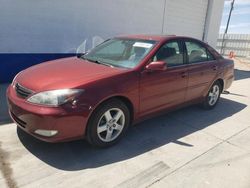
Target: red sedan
<point>120,82</point>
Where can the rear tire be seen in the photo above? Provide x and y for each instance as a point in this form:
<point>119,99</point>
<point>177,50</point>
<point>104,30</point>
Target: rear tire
<point>213,96</point>
<point>108,123</point>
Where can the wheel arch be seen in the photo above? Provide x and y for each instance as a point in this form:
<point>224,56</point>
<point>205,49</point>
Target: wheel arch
<point>221,81</point>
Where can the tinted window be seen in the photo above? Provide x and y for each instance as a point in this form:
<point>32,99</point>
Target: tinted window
<point>197,53</point>
<point>171,53</point>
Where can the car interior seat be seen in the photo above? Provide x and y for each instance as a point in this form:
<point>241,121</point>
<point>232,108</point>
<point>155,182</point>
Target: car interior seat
<point>196,55</point>
<point>165,53</point>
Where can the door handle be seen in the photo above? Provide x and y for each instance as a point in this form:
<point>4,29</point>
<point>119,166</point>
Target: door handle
<point>215,67</point>
<point>184,74</point>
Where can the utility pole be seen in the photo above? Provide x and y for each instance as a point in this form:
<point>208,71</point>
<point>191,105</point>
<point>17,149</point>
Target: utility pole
<point>228,22</point>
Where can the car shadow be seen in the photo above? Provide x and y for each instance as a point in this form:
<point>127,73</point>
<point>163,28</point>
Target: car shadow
<point>241,74</point>
<point>143,137</point>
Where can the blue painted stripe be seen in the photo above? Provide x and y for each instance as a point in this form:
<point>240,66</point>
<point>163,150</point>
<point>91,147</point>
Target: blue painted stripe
<point>11,64</point>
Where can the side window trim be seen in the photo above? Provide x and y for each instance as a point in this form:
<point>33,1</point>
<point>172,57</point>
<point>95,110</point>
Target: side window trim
<point>210,54</point>
<point>185,55</point>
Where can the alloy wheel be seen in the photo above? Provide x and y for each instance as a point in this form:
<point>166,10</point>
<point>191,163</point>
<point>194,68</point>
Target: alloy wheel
<point>213,95</point>
<point>111,124</point>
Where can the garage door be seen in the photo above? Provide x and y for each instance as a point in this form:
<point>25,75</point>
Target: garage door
<point>185,17</point>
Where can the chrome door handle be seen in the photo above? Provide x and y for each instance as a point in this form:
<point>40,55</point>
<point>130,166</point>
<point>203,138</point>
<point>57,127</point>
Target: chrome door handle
<point>215,67</point>
<point>184,74</point>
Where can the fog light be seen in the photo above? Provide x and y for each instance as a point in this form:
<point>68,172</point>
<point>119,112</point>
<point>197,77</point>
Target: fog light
<point>47,133</point>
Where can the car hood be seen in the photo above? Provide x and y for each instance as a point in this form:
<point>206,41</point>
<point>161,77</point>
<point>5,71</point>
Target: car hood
<point>64,73</point>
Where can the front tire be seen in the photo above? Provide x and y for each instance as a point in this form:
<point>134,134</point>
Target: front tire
<point>108,123</point>
<point>213,96</point>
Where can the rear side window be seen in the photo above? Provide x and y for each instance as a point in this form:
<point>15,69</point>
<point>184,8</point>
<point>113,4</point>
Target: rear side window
<point>171,53</point>
<point>197,53</point>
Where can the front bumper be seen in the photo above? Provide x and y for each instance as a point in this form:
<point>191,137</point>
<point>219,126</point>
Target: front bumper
<point>69,122</point>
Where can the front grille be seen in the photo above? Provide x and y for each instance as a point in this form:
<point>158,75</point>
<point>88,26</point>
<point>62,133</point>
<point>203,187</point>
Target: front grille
<point>22,91</point>
<point>18,121</point>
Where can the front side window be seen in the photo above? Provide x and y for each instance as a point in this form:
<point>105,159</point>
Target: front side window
<point>197,53</point>
<point>126,53</point>
<point>171,53</point>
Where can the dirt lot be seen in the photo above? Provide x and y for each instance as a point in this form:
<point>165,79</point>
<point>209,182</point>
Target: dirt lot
<point>186,148</point>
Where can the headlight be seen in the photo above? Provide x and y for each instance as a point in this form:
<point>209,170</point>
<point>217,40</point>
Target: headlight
<point>54,97</point>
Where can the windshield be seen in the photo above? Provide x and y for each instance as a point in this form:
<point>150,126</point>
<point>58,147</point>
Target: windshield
<point>117,52</point>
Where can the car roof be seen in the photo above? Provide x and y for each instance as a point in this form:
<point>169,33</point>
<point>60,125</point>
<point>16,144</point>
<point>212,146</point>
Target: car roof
<point>152,37</point>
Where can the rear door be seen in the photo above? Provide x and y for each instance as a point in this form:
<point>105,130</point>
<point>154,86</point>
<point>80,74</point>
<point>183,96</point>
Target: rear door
<point>202,69</point>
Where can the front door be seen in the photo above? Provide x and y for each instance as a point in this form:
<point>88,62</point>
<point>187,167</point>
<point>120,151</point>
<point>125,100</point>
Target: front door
<point>163,89</point>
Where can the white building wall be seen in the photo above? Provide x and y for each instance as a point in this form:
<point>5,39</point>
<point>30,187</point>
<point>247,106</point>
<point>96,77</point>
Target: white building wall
<point>60,26</point>
<point>214,16</point>
<point>53,26</point>
<point>185,17</point>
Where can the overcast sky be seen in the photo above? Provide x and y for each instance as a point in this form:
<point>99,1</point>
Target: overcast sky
<point>240,19</point>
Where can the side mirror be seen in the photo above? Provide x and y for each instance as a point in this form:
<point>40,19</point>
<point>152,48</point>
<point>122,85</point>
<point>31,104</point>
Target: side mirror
<point>156,66</point>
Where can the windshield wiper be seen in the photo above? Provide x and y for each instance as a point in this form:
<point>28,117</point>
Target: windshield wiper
<point>102,63</point>
<point>97,61</point>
